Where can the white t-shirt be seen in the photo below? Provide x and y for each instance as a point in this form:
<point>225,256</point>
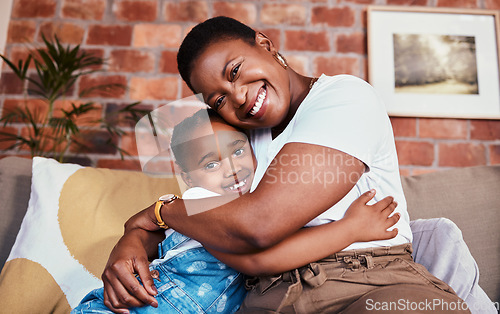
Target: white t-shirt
<point>345,113</point>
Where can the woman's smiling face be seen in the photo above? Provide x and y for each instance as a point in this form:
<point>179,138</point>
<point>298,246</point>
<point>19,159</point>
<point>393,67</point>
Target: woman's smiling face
<point>243,83</point>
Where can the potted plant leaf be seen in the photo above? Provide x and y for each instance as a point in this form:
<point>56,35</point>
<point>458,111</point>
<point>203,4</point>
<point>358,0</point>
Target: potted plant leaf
<point>51,131</point>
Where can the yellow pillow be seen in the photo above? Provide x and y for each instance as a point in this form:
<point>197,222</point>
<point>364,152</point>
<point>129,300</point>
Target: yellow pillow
<point>74,218</point>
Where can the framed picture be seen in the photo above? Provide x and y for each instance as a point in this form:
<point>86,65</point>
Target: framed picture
<point>435,62</point>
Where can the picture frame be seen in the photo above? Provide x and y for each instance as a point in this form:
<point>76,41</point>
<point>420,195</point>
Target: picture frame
<point>435,62</point>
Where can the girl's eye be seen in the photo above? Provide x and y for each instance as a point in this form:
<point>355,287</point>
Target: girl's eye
<point>213,165</point>
<point>218,103</point>
<point>234,71</point>
<point>239,152</point>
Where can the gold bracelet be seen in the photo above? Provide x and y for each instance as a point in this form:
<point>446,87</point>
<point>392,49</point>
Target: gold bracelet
<point>164,199</point>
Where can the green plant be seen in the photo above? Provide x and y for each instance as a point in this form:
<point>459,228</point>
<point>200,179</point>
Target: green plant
<point>52,131</point>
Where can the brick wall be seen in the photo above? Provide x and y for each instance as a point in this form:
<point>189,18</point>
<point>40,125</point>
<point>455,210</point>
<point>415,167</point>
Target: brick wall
<point>139,38</point>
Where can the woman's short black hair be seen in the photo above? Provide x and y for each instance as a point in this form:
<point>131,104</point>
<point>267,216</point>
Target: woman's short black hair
<point>202,35</point>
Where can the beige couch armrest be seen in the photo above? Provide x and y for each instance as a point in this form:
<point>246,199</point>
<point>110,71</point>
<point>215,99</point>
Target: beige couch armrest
<point>470,197</point>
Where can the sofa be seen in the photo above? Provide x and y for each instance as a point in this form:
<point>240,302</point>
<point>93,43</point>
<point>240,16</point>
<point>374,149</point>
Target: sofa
<point>65,228</point>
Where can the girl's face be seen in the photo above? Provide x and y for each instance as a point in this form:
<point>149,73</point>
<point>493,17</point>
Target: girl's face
<point>243,83</point>
<point>219,158</point>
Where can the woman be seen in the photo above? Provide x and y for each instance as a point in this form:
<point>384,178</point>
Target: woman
<point>319,144</point>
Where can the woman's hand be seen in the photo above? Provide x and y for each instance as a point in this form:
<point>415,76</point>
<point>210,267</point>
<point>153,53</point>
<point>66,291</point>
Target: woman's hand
<point>122,289</point>
<point>370,222</point>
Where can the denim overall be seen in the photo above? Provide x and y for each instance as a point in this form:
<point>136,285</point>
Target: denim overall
<point>192,281</point>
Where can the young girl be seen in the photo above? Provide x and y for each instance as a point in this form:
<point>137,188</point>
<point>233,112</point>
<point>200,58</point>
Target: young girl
<point>319,143</point>
<point>216,159</point>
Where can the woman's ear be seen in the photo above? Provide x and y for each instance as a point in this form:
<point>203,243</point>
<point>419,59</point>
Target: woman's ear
<point>187,179</point>
<point>262,40</point>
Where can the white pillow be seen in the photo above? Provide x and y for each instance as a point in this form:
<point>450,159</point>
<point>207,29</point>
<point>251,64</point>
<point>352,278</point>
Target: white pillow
<point>74,218</point>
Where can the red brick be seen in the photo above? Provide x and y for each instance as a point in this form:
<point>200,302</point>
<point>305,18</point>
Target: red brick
<point>45,144</point>
<point>191,11</point>
<point>136,10</point>
<point>94,141</point>
<point>84,9</point>
<point>19,53</point>
<point>407,2</point>
<point>404,127</point>
<point>123,119</point>
<point>128,144</point>
<point>168,62</point>
<point>361,1</point>
<point>418,171</point>
<point>147,144</point>
<point>131,61</point>
<point>298,63</point>
<point>185,90</point>
<point>37,107</point>
<point>404,172</point>
<point>10,83</point>
<point>336,65</point>
<point>157,35</point>
<point>485,129</point>
<point>88,119</point>
<point>33,8</point>
<point>307,41</point>
<point>334,17</point>
<point>99,53</point>
<point>457,3</point>
<point>88,82</point>
<point>21,32</point>
<point>33,90</point>
<point>243,12</point>
<point>119,164</point>
<point>5,144</point>
<point>112,35</point>
<point>355,42</point>
<point>494,154</point>
<point>415,153</point>
<point>153,88</point>
<point>492,4</point>
<point>461,154</point>
<point>66,32</point>
<point>175,113</point>
<point>289,14</point>
<point>443,128</point>
<point>274,35</point>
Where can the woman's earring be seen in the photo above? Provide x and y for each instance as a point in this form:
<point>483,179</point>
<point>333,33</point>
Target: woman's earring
<point>281,60</point>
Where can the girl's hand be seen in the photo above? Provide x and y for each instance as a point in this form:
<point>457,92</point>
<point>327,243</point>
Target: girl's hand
<point>370,222</point>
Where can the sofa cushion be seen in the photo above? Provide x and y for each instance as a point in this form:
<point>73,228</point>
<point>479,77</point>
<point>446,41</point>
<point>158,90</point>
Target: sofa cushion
<point>470,197</point>
<point>75,216</point>
<point>15,186</point>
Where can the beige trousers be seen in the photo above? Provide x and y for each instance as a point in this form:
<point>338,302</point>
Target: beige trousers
<point>383,280</point>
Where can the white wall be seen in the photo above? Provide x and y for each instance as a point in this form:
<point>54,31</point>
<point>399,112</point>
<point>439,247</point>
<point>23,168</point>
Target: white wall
<point>5,9</point>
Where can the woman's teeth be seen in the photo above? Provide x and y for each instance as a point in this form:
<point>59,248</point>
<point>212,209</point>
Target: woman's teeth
<point>238,185</point>
<point>258,103</point>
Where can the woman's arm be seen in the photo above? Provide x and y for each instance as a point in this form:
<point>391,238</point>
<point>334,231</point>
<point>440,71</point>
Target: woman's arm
<point>289,195</point>
<point>275,210</point>
<point>312,244</point>
<point>130,256</point>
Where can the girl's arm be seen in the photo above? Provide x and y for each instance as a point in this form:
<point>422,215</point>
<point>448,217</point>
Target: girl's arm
<point>312,244</point>
<point>130,255</point>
